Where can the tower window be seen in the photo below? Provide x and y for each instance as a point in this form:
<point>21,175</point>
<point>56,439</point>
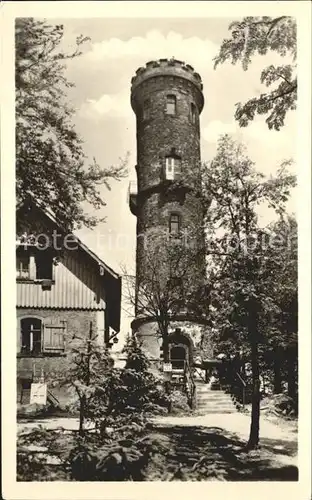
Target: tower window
<point>146,109</point>
<point>171,105</point>
<point>193,113</point>
<point>174,225</point>
<point>170,168</point>
<point>173,165</point>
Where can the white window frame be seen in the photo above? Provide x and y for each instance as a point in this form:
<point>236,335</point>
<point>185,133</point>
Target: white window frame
<point>20,270</point>
<point>170,168</point>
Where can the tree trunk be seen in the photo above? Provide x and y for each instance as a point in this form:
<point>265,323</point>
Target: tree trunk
<point>81,416</point>
<point>165,347</point>
<point>83,399</point>
<point>277,371</point>
<point>167,384</point>
<point>292,373</point>
<point>243,370</point>
<point>255,405</point>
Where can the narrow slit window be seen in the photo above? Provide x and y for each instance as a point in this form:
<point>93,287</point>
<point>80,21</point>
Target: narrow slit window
<point>171,105</point>
<point>174,225</point>
<point>193,113</point>
<point>146,109</point>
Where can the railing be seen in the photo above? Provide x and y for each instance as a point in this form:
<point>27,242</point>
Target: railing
<point>184,377</point>
<point>235,385</point>
<point>199,373</point>
<point>52,399</point>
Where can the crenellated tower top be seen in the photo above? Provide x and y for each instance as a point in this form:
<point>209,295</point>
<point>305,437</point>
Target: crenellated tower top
<point>167,68</point>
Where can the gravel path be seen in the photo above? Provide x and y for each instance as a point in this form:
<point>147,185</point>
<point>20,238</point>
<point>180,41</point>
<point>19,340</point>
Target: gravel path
<point>237,423</point>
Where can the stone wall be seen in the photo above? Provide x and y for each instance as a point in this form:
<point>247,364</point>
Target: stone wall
<point>159,135</point>
<point>78,325</point>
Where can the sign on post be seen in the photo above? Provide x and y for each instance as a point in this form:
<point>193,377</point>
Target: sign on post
<point>167,367</point>
<point>38,393</point>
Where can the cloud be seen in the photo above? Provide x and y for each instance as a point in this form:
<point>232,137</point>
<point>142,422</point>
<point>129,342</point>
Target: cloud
<point>125,56</point>
<point>154,45</point>
<point>112,105</point>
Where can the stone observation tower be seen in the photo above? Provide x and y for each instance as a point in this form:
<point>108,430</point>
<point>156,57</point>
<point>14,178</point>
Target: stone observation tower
<point>167,98</point>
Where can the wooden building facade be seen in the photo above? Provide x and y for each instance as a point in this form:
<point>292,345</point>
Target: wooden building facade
<point>62,290</point>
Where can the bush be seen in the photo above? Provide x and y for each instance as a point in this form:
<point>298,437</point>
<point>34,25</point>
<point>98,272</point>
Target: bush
<point>33,411</point>
<point>121,447</point>
<point>124,459</point>
<point>120,407</point>
<point>281,404</point>
<point>178,401</point>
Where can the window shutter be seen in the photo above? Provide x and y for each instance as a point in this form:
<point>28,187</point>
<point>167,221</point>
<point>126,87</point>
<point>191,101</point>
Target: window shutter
<point>54,336</point>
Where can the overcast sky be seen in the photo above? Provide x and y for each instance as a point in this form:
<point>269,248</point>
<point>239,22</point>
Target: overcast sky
<point>106,122</point>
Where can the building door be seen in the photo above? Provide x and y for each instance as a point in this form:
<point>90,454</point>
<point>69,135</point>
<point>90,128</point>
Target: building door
<point>178,357</point>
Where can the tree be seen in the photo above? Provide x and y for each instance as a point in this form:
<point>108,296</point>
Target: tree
<point>282,285</point>
<point>259,35</point>
<point>167,283</point>
<point>139,391</point>
<point>89,365</point>
<point>120,406</point>
<point>119,402</point>
<point>50,162</point>
<point>240,304</point>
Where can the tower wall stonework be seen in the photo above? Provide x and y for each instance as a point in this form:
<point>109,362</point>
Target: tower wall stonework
<point>160,135</point>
